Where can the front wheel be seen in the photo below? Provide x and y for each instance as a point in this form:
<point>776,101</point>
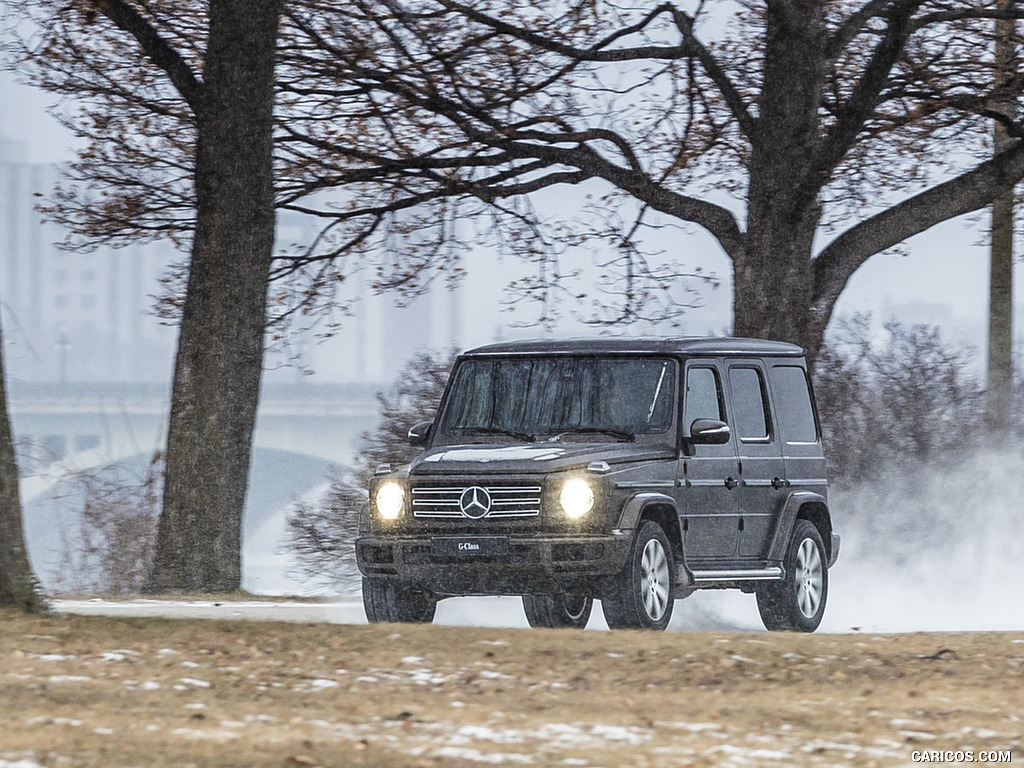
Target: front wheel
<point>385,601</point>
<point>642,596</point>
<point>558,610</point>
<point>797,603</point>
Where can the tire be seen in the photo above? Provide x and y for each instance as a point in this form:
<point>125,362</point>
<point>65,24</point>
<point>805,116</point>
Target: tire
<point>642,596</point>
<point>558,610</point>
<point>385,601</point>
<point>797,603</point>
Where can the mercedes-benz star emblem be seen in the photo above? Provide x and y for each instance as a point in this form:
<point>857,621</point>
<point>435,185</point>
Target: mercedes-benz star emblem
<point>475,502</point>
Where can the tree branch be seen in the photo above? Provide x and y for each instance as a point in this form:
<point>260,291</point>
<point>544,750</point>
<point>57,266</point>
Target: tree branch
<point>864,99</point>
<point>691,47</point>
<point>968,192</point>
<point>852,27</point>
<point>162,53</point>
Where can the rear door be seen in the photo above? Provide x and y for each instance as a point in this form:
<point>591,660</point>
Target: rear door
<point>798,427</point>
<point>761,469</point>
<point>710,472</point>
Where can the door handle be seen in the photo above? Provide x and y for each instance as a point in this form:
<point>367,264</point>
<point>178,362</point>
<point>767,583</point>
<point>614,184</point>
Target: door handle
<point>778,482</point>
<point>731,482</point>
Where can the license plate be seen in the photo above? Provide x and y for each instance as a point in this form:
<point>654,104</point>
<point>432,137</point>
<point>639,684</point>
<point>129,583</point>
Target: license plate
<point>468,546</point>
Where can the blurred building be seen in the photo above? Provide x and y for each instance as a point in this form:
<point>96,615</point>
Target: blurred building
<point>68,315</point>
<point>87,316</point>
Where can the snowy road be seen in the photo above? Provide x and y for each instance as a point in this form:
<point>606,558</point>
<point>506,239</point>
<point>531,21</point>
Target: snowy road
<point>463,611</point>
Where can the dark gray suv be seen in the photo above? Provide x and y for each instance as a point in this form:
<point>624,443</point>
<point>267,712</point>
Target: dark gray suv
<point>631,470</point>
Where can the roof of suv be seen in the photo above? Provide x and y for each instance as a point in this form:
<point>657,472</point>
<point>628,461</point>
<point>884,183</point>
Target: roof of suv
<point>626,345</point>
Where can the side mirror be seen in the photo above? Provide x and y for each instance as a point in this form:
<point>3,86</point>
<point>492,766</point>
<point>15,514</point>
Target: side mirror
<point>420,433</point>
<point>709,432</point>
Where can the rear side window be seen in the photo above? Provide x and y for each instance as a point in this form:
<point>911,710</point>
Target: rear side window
<point>749,411</point>
<point>793,404</point>
<point>703,397</point>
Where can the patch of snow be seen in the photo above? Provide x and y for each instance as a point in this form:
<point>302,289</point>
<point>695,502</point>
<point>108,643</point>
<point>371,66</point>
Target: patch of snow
<point>476,756</point>
<point>690,727</point>
<point>633,736</point>
<point>490,674</point>
<point>746,755</point>
<point>196,734</point>
<point>70,679</point>
<point>321,684</point>
<point>194,682</point>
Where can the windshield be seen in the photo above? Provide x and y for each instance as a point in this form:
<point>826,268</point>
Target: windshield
<point>533,398</point>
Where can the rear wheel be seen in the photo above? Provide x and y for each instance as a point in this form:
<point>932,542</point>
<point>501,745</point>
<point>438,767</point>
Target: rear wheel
<point>797,603</point>
<point>558,610</point>
<point>385,601</point>
<point>642,596</point>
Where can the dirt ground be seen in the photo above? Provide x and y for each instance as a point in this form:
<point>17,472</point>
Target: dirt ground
<point>93,691</point>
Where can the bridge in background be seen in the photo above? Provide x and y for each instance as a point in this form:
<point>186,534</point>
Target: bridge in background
<point>62,428</point>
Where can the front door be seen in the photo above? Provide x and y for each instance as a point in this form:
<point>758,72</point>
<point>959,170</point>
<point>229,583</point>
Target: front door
<point>710,472</point>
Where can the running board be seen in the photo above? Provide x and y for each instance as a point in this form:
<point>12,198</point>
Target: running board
<point>758,574</point>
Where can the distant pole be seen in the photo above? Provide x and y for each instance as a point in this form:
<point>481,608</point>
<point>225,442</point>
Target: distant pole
<point>63,345</point>
<point>1000,302</point>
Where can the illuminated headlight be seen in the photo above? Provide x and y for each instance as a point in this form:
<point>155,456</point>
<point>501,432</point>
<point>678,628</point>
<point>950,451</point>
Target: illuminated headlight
<point>390,499</point>
<point>577,497</point>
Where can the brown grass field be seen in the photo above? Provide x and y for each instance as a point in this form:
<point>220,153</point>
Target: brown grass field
<point>88,691</point>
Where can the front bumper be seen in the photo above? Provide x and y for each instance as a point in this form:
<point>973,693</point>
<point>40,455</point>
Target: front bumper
<point>520,565</point>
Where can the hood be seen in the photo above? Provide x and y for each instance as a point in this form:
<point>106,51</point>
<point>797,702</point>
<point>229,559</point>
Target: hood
<point>530,458</point>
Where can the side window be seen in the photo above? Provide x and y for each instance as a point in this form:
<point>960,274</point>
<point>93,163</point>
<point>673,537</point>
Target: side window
<point>703,397</point>
<point>749,410</point>
<point>793,404</point>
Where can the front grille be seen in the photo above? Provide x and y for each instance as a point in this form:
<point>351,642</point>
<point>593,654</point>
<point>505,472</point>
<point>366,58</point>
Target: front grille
<point>506,501</point>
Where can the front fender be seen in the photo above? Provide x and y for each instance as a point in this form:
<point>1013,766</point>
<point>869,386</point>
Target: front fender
<point>635,506</point>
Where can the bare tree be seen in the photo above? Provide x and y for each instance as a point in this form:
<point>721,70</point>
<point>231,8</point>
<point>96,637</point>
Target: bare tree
<point>18,584</point>
<point>838,129</point>
<point>201,107</point>
<point>322,534</point>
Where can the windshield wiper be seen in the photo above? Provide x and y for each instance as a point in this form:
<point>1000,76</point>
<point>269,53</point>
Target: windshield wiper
<point>617,433</point>
<point>525,436</point>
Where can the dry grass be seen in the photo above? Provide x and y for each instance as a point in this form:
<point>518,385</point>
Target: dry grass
<point>85,691</point>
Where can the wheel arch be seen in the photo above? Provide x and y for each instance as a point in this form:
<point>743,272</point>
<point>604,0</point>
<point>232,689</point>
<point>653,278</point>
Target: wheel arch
<point>659,508</point>
<point>803,505</point>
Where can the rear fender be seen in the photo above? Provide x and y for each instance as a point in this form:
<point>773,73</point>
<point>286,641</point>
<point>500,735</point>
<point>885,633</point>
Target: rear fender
<point>822,519</point>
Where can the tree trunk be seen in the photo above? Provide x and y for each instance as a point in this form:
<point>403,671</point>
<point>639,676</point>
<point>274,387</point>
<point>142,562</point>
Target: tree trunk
<point>18,585</point>
<point>1000,304</point>
<point>220,347</point>
<point>772,282</point>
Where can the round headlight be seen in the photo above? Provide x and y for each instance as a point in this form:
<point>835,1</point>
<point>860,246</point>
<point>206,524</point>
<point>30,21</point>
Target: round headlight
<point>577,497</point>
<point>390,500</point>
